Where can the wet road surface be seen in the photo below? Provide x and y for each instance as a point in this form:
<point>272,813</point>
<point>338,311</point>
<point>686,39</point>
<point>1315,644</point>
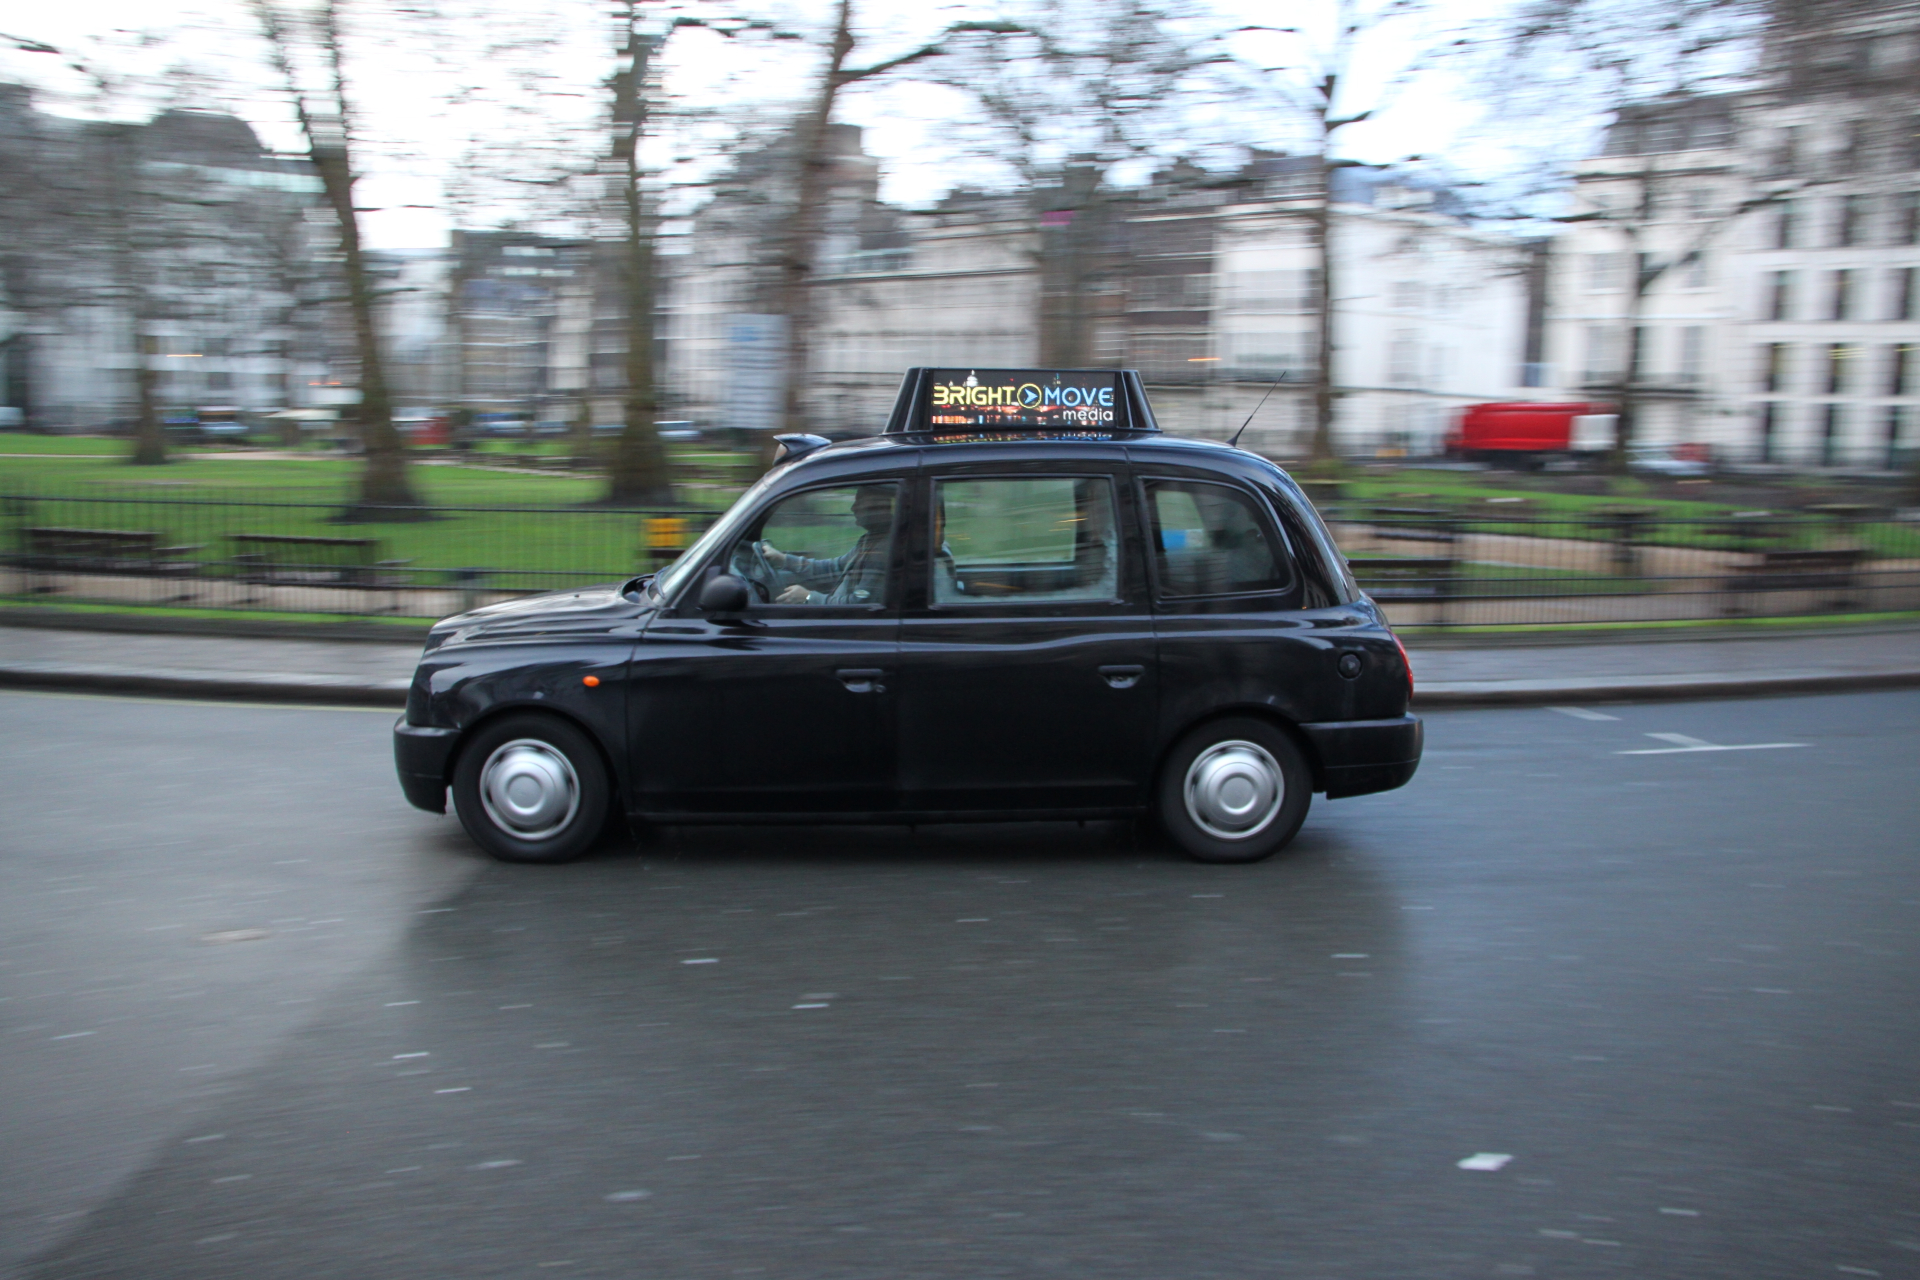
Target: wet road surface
<point>261,1019</point>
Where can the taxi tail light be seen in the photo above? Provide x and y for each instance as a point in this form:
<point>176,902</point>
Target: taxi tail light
<point>1406,664</point>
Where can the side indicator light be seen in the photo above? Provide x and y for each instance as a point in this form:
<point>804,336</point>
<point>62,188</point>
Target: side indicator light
<point>592,682</point>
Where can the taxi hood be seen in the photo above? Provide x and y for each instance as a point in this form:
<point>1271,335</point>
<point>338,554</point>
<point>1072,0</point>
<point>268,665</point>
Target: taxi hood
<point>582,611</point>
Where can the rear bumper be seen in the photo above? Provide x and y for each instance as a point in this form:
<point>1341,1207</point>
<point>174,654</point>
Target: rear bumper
<point>420,755</point>
<point>1362,756</point>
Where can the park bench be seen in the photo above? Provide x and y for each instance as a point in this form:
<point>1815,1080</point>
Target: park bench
<point>1413,524</point>
<point>1833,569</point>
<point>1404,578</point>
<point>67,550</point>
<point>277,559</point>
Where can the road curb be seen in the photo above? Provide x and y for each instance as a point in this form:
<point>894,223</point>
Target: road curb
<point>235,687</point>
<point>1689,688</point>
<point>348,691</point>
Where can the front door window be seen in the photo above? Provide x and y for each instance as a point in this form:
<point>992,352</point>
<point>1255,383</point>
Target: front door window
<point>821,547</point>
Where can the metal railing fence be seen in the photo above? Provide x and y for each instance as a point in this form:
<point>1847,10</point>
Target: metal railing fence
<point>281,551</point>
<point>1509,563</point>
<point>1489,564</point>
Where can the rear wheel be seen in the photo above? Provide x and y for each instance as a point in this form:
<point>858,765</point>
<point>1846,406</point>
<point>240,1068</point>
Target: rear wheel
<point>1234,790</point>
<point>531,788</point>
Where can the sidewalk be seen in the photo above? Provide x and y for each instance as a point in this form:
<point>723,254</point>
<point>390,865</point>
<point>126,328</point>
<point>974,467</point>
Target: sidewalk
<point>1504,673</point>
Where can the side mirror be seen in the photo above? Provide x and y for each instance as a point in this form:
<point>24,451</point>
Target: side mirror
<point>724,593</point>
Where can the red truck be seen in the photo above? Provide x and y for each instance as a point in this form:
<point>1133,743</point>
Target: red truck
<point>1528,434</point>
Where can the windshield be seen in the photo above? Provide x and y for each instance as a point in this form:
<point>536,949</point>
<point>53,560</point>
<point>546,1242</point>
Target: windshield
<point>670,579</point>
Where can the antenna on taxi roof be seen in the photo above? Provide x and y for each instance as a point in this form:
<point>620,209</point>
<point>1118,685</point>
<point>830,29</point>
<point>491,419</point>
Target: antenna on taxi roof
<point>1235,442</point>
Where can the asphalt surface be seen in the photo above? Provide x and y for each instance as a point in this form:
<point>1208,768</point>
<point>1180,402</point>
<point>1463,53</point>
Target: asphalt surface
<point>261,1019</point>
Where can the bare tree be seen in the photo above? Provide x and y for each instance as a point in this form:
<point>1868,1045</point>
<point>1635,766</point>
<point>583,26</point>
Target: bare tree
<point>798,247</point>
<point>1083,87</point>
<point>1612,55</point>
<point>1318,87</point>
<point>326,127</point>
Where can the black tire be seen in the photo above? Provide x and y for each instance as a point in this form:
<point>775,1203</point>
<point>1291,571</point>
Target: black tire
<point>559,809</point>
<point>1247,824</point>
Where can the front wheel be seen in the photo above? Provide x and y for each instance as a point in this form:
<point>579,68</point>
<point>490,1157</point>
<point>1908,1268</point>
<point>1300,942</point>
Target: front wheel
<point>1234,790</point>
<point>531,788</point>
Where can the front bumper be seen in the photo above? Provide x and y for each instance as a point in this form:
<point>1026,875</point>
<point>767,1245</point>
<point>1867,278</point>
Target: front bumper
<point>420,754</point>
<point>1362,756</point>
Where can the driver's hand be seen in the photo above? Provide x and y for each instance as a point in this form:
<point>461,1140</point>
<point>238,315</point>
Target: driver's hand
<point>795,594</point>
<point>774,556</point>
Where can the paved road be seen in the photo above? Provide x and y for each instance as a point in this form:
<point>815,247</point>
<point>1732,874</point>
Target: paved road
<point>1673,997</point>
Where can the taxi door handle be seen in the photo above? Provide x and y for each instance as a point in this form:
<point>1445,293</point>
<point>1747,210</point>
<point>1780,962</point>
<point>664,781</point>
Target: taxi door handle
<point>862,679</point>
<point>1123,676</point>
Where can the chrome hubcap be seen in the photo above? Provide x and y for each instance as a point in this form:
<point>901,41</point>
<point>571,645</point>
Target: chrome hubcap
<point>529,789</point>
<point>1234,790</point>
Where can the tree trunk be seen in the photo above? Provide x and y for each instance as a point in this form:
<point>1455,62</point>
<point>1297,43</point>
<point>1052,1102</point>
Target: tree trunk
<point>1066,250</point>
<point>1626,399</point>
<point>384,482</point>
<point>794,295</point>
<point>639,473</point>
<point>149,433</point>
<point>1320,229</point>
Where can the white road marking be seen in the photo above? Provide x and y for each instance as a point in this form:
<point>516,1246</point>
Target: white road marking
<point>1581,713</point>
<point>1683,743</point>
<point>1486,1161</point>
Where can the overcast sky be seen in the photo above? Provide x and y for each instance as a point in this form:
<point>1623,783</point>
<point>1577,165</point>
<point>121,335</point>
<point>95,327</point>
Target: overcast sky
<point>521,87</point>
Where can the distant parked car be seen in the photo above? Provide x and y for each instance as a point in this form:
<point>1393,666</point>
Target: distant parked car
<point>1658,460</point>
<point>680,431</point>
<point>500,424</point>
<point>12,419</point>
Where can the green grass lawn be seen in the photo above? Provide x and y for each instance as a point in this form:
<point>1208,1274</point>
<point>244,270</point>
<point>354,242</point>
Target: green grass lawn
<point>199,501</point>
<point>1671,522</point>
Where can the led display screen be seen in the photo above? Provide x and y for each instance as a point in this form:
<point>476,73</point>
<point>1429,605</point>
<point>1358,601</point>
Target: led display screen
<point>1025,399</point>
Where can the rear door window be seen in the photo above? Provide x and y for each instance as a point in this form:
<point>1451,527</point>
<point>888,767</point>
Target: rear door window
<point>1029,540</point>
<point>1211,539</point>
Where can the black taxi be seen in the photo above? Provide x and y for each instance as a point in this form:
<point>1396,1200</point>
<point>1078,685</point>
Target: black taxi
<point>1020,601</point>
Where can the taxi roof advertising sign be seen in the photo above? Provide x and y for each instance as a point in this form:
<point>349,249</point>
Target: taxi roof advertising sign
<point>1025,399</point>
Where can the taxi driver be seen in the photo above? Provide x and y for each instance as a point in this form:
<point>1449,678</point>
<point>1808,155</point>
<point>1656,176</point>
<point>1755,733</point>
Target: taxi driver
<point>859,576</point>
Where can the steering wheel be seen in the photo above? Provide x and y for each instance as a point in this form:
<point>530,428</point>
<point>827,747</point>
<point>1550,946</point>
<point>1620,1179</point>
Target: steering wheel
<point>750,562</point>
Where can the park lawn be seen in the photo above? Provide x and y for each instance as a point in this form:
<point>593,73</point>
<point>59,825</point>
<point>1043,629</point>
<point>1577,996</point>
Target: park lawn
<point>1673,522</point>
<point>76,446</point>
<point>481,520</point>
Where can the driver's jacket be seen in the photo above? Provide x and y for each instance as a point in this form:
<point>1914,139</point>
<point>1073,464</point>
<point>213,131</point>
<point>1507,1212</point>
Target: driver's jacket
<point>858,577</point>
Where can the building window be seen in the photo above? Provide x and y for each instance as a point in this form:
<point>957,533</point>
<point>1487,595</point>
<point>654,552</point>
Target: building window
<point>1839,357</point>
<point>1830,436</point>
<point>1842,295</point>
<point>1786,155</point>
<point>1900,369</point>
<point>1780,301</point>
<point>1603,353</point>
<point>1403,359</point>
<point>1700,202</point>
<point>1913,142</point>
<point>1897,416</point>
<point>1785,221</point>
<point>1774,366</point>
<point>1605,272</point>
<point>1769,428</point>
<point>1906,218</point>
<point>1903,284</point>
<point>1695,275</point>
<point>1850,218</point>
<point>1693,347</point>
